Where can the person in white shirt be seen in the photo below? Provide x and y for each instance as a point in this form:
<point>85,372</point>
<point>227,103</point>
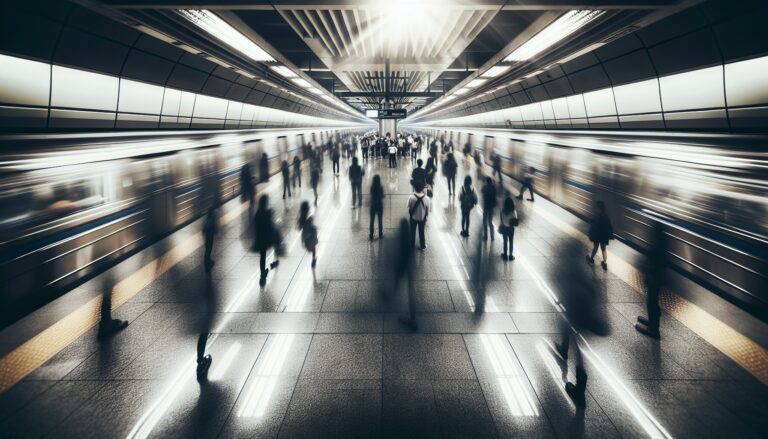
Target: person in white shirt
<point>392,151</point>
<point>418,210</point>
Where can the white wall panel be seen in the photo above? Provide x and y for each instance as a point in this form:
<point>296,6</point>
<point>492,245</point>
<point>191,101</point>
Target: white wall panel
<point>746,82</point>
<point>600,103</point>
<point>576,107</point>
<point>693,90</point>
<point>546,110</point>
<point>139,97</point>
<point>639,97</point>
<point>24,82</point>
<point>560,107</point>
<point>248,112</point>
<point>234,110</point>
<point>74,88</point>
<point>187,104</point>
<point>210,107</point>
<point>171,102</point>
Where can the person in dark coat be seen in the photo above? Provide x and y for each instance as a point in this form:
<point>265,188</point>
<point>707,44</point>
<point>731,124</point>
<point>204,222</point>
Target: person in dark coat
<point>527,183</point>
<point>600,232</point>
<point>449,170</point>
<point>467,202</point>
<point>377,205</point>
<point>247,190</point>
<point>419,174</point>
<point>265,235</point>
<point>654,271</point>
<point>264,168</point>
<point>335,157</point>
<point>489,204</point>
<point>497,166</point>
<point>308,230</point>
<point>431,170</point>
<point>285,170</point>
<point>356,178</point>
<point>296,177</point>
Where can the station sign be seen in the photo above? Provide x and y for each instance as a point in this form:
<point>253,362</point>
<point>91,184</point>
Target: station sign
<point>399,113</point>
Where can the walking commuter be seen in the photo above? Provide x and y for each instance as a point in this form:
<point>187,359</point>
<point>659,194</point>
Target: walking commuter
<point>415,147</point>
<point>418,211</point>
<point>210,227</point>
<point>497,166</point>
<point>285,170</point>
<point>655,276</point>
<point>527,183</point>
<point>392,151</point>
<point>431,170</point>
<point>508,221</point>
<point>266,236</point>
<point>356,178</point>
<point>404,272</point>
<point>467,202</point>
<point>247,190</point>
<point>433,152</point>
<point>419,174</point>
<point>308,231</point>
<point>364,147</point>
<point>600,232</point>
<point>107,324</point>
<point>335,156</point>
<point>264,168</point>
<point>296,177</point>
<point>204,360</point>
<point>449,170</point>
<point>377,205</point>
<point>489,203</point>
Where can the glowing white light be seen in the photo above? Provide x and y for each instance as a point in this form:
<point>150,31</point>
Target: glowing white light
<point>222,366</point>
<point>315,91</point>
<point>284,71</point>
<point>495,71</point>
<point>302,83</point>
<point>476,83</point>
<point>221,30</point>
<point>508,376</point>
<point>461,91</point>
<point>561,28</point>
<point>266,375</point>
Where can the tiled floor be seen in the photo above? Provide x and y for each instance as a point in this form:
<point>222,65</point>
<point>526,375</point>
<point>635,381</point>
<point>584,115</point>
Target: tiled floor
<point>321,353</point>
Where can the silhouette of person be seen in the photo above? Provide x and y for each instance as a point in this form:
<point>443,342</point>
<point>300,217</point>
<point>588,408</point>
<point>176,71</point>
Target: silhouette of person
<point>308,231</point>
<point>265,235</point>
<point>108,325</point>
<point>210,227</point>
<point>356,178</point>
<point>655,268</point>
<point>600,233</point>
<point>296,177</point>
<point>527,183</point>
<point>247,189</point>
<point>377,204</point>
<point>285,170</point>
<point>467,202</point>
<point>264,168</point>
<point>489,204</point>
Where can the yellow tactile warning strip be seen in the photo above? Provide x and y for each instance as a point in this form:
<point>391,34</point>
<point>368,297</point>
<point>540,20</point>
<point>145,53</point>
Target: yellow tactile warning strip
<point>26,358</point>
<point>748,354</point>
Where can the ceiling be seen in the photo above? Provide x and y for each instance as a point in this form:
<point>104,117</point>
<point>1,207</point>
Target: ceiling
<point>409,52</point>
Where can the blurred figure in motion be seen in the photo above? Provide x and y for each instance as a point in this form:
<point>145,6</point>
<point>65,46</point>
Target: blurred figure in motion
<point>419,173</point>
<point>108,325</point>
<point>356,178</point>
<point>430,171</point>
<point>377,205</point>
<point>508,221</point>
<point>264,168</point>
<point>415,147</point>
<point>285,170</point>
<point>404,272</point>
<point>654,271</point>
<point>527,183</point>
<point>449,170</point>
<point>296,177</point>
<point>314,180</point>
<point>266,235</point>
<point>497,166</point>
<point>210,227</point>
<point>308,231</point>
<point>206,322</point>
<point>247,189</point>
<point>418,210</point>
<point>467,150</point>
<point>335,156</point>
<point>364,144</point>
<point>489,204</point>
<point>467,202</point>
<point>584,312</point>
<point>600,232</point>
<point>478,163</point>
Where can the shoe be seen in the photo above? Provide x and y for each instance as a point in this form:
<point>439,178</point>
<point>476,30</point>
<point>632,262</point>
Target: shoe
<point>643,320</point>
<point>424,248</point>
<point>576,395</point>
<point>604,265</point>
<point>645,329</point>
<point>314,262</point>
<point>529,199</point>
<point>590,260</point>
<point>203,365</point>
<point>274,264</point>
<point>511,258</point>
<point>504,257</point>
<point>111,327</point>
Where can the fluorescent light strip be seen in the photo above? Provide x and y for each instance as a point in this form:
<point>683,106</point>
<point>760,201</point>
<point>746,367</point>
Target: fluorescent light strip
<point>495,71</point>
<point>221,30</point>
<point>284,71</point>
<point>476,83</point>
<point>561,28</point>
<point>301,82</point>
<point>461,91</point>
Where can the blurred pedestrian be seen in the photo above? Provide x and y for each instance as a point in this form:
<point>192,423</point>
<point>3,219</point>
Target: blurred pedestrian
<point>467,202</point>
<point>430,169</point>
<point>335,157</point>
<point>404,273</point>
<point>418,211</point>
<point>449,170</point>
<point>247,190</point>
<point>210,227</point>
<point>377,205</point>
<point>285,170</point>
<point>264,168</point>
<point>392,151</point>
<point>527,183</point>
<point>204,360</point>
<point>497,166</point>
<point>489,204</point>
<point>507,224</point>
<point>266,236</point>
<point>107,324</point>
<point>296,177</point>
<point>308,231</point>
<point>356,178</point>
<point>419,174</point>
<point>655,268</point>
<point>600,232</point>
<point>314,180</point>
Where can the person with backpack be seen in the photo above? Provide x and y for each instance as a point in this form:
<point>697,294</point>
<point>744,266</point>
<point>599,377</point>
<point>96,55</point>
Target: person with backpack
<point>600,232</point>
<point>449,170</point>
<point>356,178</point>
<point>527,183</point>
<point>285,170</point>
<point>266,236</point>
<point>467,201</point>
<point>296,177</point>
<point>418,210</point>
<point>364,144</point>
<point>489,203</point>
<point>377,205</point>
<point>308,231</point>
<point>508,221</point>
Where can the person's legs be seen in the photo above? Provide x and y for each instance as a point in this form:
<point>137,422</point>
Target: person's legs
<point>486,219</point>
<point>360,194</point>
<point>263,263</point>
<point>413,233</point>
<point>201,342</point>
<point>208,261</point>
<point>504,242</point>
<point>464,218</point>
<point>594,251</point>
<point>314,189</point>
<point>511,243</point>
<point>421,234</point>
<point>604,252</point>
<point>298,176</point>
<point>354,194</point>
<point>530,189</point>
<point>381,214</point>
<point>370,229</point>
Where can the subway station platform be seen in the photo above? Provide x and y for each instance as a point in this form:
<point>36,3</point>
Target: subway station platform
<point>319,353</point>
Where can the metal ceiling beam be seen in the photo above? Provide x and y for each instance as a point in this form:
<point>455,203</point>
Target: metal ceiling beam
<point>392,94</point>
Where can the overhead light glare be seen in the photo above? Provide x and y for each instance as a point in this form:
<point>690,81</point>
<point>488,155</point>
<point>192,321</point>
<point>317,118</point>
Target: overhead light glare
<point>315,91</point>
<point>476,83</point>
<point>302,83</point>
<point>561,28</point>
<point>283,71</point>
<point>461,91</point>
<point>495,71</point>
<point>221,30</point>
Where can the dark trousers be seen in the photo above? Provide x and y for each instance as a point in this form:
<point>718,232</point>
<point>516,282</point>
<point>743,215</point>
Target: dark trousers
<point>297,177</point>
<point>286,187</point>
<point>393,160</point>
<point>652,304</point>
<point>357,193</point>
<point>451,184</point>
<point>420,225</point>
<point>314,189</point>
<point>263,263</point>
<point>527,184</point>
<point>376,211</point>
<point>509,239</point>
<point>497,171</point>
<point>336,166</point>
<point>465,220</point>
<point>208,261</point>
<point>365,153</point>
<point>488,223</point>
<point>201,342</point>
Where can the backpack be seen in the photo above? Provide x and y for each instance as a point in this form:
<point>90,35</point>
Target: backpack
<point>467,199</point>
<point>419,201</point>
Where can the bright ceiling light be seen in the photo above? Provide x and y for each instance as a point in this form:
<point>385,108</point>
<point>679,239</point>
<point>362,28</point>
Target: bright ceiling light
<point>561,28</point>
<point>461,91</point>
<point>284,71</point>
<point>302,83</point>
<point>495,71</point>
<point>476,83</point>
<point>221,30</point>
<point>315,91</point>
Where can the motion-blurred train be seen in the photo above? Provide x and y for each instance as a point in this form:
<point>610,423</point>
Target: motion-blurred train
<point>72,203</point>
<point>711,192</point>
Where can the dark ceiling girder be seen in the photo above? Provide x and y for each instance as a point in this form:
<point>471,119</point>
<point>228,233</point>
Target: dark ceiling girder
<point>392,94</point>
